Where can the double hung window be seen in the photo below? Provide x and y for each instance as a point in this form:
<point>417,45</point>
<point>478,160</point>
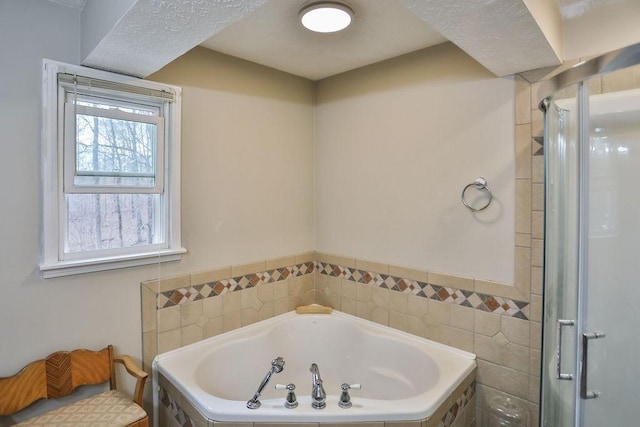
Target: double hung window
<point>110,171</point>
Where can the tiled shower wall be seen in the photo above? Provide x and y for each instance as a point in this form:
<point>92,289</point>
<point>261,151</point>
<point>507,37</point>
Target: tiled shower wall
<point>498,322</point>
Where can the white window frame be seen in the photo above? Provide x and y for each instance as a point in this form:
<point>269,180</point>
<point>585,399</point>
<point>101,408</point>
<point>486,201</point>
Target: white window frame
<point>54,261</point>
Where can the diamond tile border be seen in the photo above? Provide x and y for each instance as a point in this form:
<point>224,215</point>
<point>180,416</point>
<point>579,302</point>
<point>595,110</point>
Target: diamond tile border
<point>479,301</point>
<point>174,408</point>
<point>213,289</point>
<point>458,406</point>
<point>538,146</point>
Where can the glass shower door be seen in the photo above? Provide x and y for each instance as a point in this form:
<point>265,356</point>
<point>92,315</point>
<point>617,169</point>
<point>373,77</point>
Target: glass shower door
<point>592,255</point>
<point>609,376</point>
<point>558,400</point>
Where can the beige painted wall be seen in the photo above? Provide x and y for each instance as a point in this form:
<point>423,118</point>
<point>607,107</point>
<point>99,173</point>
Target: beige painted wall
<point>247,149</point>
<point>39,316</point>
<point>396,143</point>
<point>246,186</point>
<point>411,127</point>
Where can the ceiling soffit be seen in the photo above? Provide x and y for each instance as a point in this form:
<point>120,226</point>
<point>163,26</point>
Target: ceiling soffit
<point>502,35</point>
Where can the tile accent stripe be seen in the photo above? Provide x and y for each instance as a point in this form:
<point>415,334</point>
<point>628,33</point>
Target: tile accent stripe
<point>458,406</point>
<point>538,146</point>
<point>175,409</point>
<point>220,287</point>
<point>479,301</point>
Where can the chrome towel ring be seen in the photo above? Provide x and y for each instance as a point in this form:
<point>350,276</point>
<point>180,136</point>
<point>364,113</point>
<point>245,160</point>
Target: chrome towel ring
<point>481,185</point>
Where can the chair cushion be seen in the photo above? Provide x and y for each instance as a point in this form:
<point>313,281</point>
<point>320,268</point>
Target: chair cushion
<point>110,408</point>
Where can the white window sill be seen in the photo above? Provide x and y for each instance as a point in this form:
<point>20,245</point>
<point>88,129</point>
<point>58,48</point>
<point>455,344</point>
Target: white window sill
<point>68,268</point>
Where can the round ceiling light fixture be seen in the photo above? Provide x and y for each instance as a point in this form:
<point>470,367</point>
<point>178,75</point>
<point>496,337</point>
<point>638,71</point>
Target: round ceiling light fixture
<point>326,16</point>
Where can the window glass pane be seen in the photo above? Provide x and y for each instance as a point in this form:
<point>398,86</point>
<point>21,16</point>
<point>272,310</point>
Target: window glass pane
<point>114,181</point>
<point>115,148</point>
<point>110,104</point>
<point>108,221</point>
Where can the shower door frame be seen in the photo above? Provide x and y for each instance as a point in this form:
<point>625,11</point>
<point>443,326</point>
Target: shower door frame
<point>577,76</point>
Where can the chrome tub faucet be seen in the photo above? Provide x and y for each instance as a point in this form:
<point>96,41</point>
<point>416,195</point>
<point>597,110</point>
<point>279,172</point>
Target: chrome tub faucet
<point>318,395</point>
<point>277,365</point>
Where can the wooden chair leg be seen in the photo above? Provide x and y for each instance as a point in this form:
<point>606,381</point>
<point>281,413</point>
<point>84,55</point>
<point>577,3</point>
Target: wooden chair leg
<point>140,423</point>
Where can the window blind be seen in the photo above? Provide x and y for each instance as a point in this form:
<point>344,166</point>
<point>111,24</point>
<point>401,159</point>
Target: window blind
<point>83,82</point>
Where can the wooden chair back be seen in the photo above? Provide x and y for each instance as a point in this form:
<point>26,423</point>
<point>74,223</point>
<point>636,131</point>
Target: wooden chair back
<point>56,376</point>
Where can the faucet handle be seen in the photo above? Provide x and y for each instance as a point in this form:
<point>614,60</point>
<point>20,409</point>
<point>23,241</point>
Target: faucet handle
<point>345,399</point>
<point>290,401</point>
<point>289,387</point>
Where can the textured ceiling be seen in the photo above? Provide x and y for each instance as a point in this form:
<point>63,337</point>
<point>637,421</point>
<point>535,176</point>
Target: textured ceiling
<point>273,36</point>
<point>76,4</point>
<point>153,33</point>
<point>502,35</point>
<point>505,36</point>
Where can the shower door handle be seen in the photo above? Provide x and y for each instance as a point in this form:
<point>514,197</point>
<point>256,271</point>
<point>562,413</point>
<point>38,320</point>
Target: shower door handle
<point>584,392</point>
<point>559,374</point>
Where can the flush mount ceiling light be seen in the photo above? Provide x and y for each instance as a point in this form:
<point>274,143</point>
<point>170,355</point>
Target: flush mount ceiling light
<point>326,16</point>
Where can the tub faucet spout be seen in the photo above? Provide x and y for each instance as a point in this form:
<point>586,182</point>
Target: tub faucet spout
<point>318,395</point>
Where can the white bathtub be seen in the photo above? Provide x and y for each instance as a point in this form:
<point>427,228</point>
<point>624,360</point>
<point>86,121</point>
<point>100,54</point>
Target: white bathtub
<point>403,377</point>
